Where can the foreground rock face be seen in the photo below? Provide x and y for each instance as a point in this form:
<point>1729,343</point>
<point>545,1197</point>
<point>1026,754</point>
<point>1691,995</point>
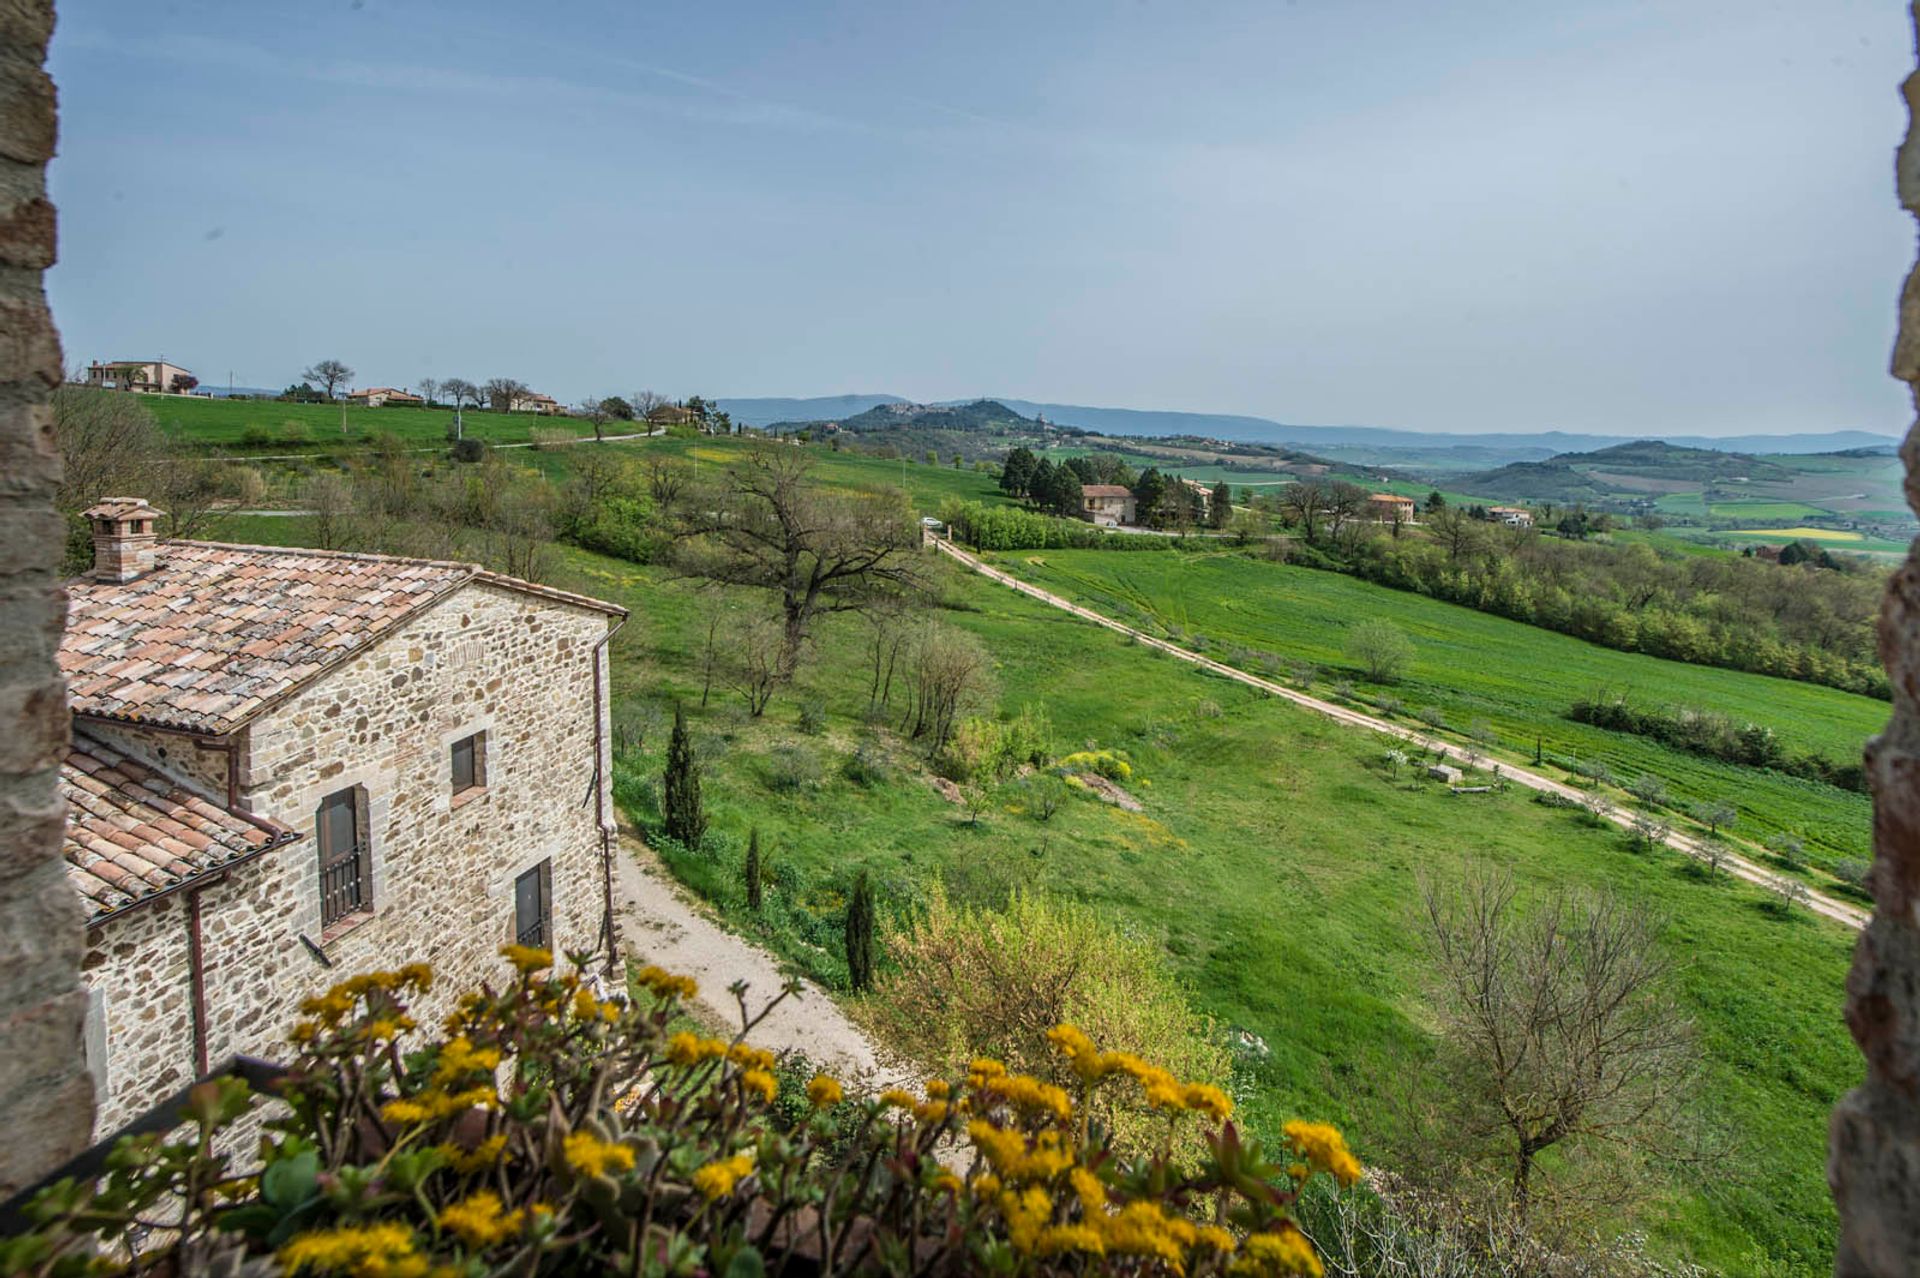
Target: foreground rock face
<point>1874,1154</point>
<point>46,1097</point>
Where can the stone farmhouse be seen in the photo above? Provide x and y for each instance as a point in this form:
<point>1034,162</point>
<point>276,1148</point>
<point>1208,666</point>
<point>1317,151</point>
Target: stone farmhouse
<point>292,765</point>
<point>377,396</point>
<point>1390,508</point>
<point>1512,516</point>
<point>531,402</point>
<point>1108,505</point>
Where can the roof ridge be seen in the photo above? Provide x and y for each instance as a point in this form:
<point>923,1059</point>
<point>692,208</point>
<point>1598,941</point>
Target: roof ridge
<point>363,556</point>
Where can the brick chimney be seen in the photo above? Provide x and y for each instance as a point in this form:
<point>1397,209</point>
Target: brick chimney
<point>123,538</point>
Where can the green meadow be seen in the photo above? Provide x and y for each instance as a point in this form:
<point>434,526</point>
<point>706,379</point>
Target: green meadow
<point>1474,667</point>
<point>1276,861</point>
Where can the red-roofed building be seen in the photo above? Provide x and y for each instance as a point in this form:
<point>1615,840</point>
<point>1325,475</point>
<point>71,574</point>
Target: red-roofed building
<point>292,764</point>
<point>379,396</point>
<point>1108,505</point>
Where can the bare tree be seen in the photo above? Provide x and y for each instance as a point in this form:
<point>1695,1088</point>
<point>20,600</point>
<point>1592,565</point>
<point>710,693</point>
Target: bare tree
<point>1558,1028</point>
<point>330,498</point>
<point>666,480</point>
<point>461,391</point>
<point>951,675</point>
<point>428,387</point>
<point>110,446</point>
<point>502,391</point>
<point>768,527</point>
<point>595,413</point>
<point>755,671</point>
<point>1346,503</point>
<point>646,401</point>
<point>330,374</point>
<point>1455,529</point>
<point>1305,504</point>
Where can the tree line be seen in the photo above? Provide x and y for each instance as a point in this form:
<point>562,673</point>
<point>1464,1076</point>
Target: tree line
<point>1160,501</point>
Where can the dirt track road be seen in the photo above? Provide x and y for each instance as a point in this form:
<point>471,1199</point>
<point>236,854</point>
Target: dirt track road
<point>1839,911</point>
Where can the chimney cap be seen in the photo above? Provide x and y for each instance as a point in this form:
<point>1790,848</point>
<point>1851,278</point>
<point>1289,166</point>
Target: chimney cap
<point>118,508</point>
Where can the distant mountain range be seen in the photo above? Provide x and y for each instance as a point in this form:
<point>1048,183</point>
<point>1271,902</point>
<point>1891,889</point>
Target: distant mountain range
<point>1352,443</point>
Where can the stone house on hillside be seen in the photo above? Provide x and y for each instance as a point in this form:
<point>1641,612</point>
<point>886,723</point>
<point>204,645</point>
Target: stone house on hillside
<point>1108,505</point>
<point>1390,508</point>
<point>380,396</point>
<point>292,765</point>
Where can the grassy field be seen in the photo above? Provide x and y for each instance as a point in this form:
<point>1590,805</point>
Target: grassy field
<point>224,425</point>
<point>1518,679</point>
<point>1276,863</point>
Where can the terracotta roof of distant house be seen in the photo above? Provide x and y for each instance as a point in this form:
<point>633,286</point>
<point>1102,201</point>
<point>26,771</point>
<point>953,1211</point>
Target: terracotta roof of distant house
<point>217,633</point>
<point>1508,510</point>
<point>132,831</point>
<point>1105,490</point>
<point>381,390</point>
<point>1392,497</point>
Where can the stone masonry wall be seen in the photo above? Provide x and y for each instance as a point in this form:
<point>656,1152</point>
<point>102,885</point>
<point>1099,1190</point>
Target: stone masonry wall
<point>1874,1153</point>
<point>46,1098</point>
<point>511,665</point>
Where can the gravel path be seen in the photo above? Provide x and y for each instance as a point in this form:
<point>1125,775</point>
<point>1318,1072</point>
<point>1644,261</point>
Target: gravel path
<point>1839,911</point>
<point>659,924</point>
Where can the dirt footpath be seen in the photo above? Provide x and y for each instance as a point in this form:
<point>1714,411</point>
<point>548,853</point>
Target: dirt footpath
<point>660,923</point>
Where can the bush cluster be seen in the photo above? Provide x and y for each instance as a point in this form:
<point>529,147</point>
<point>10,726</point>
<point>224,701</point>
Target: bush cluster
<point>986,527</point>
<point>1715,736</point>
<point>546,1129</point>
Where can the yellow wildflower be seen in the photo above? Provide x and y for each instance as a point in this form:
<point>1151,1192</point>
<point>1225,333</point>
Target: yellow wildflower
<point>937,1089</point>
<point>591,1156</point>
<point>404,1110</point>
<point>761,1082</point>
<point>460,1057</point>
<point>1092,1194</point>
<point>1023,1091</point>
<point>1072,1042</point>
<point>665,984</point>
<point>356,1249</point>
<point>479,1221</point>
<point>527,959</point>
<point>479,1158</point>
<point>690,1049</point>
<point>1322,1145</point>
<point>717,1179</point>
<point>897,1098</point>
<point>824,1092</point>
<point>946,1182</point>
<point>1285,1251</point>
<point>986,1185</point>
<point>418,975</point>
<point>747,1057</point>
<point>330,1007</point>
<point>1204,1098</point>
<point>1055,1239</point>
<point>1218,1239</point>
<point>1026,1214</point>
<point>1141,1229</point>
<point>986,1067</point>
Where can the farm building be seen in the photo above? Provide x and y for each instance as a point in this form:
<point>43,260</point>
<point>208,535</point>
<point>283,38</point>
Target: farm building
<point>287,764</point>
<point>376,396</point>
<point>1108,505</point>
<point>151,376</point>
<point>1390,508</point>
<point>1512,516</point>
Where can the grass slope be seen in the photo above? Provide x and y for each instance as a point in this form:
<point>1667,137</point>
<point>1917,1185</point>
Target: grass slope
<point>1275,862</point>
<point>1518,678</point>
<point>222,424</point>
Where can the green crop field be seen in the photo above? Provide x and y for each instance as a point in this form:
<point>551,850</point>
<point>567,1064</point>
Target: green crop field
<point>269,427</point>
<point>1276,862</point>
<point>1473,666</point>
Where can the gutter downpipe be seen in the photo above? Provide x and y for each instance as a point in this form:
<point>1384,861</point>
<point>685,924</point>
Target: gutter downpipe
<point>603,752</point>
<point>197,976</point>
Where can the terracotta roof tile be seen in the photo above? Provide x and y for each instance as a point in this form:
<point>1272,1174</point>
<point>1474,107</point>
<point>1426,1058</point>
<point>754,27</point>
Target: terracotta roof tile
<point>215,633</point>
<point>133,831</point>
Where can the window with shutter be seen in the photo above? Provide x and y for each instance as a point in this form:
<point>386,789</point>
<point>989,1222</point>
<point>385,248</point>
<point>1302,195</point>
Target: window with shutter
<point>533,906</point>
<point>344,888</point>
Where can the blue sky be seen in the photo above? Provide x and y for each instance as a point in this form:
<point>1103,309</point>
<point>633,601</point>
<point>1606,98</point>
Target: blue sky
<point>1623,217</point>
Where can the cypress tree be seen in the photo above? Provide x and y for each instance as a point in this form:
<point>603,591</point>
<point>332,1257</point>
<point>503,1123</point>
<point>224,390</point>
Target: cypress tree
<point>753,870</point>
<point>860,934</point>
<point>685,817</point>
<point>1220,505</point>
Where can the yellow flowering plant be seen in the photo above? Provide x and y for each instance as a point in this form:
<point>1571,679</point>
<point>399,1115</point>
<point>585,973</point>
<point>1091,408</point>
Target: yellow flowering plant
<point>545,1128</point>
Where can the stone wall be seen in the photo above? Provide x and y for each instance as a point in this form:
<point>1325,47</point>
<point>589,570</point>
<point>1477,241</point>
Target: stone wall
<point>1874,1160</point>
<point>514,666</point>
<point>46,1097</point>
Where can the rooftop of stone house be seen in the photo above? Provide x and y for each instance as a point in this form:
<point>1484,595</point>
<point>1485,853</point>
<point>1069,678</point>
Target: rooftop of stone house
<point>133,832</point>
<point>212,634</point>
